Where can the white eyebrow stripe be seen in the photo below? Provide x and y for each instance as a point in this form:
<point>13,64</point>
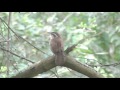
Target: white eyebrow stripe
<point>54,34</point>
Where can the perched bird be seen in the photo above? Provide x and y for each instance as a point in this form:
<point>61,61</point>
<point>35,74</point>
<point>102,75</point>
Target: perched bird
<point>56,44</point>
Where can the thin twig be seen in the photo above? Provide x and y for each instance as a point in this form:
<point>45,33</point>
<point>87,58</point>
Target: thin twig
<point>23,38</point>
<point>64,20</point>
<point>56,74</point>
<point>69,49</point>
<point>68,16</point>
<point>4,41</point>
<point>9,19</point>
<point>8,43</point>
<point>17,55</point>
<point>113,64</point>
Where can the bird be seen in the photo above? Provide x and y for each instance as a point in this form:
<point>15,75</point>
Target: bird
<point>57,47</point>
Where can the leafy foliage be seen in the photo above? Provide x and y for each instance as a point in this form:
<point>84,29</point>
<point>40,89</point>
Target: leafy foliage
<point>98,51</point>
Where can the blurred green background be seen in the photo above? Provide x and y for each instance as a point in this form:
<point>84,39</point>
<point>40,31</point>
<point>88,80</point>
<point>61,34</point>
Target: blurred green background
<point>101,52</point>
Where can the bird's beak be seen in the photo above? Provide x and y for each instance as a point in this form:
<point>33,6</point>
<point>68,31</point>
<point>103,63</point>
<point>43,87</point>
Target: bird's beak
<point>49,32</point>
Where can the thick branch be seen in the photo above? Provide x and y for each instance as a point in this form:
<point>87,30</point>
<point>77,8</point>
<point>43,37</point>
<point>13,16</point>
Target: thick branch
<point>49,63</point>
<point>81,68</point>
<point>37,68</point>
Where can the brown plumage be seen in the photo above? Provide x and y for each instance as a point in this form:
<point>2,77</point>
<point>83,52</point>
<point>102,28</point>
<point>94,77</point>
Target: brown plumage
<point>57,48</point>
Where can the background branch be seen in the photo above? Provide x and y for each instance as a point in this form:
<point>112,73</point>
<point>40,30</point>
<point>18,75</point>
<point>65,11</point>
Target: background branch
<point>105,65</point>
<point>99,44</point>
<point>16,55</point>
<point>8,43</point>
<point>69,49</point>
<point>22,38</point>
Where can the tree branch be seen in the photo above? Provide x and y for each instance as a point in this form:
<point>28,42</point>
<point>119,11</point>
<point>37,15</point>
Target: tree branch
<point>49,63</point>
<point>81,68</point>
<point>16,55</point>
<point>105,65</point>
<point>37,68</point>
<point>69,49</point>
<point>8,44</point>
<point>22,38</point>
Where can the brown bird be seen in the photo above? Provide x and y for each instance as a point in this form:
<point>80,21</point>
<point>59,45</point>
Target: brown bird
<point>56,44</point>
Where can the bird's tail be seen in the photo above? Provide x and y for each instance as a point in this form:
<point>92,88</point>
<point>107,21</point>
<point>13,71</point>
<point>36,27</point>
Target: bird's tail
<point>60,59</point>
